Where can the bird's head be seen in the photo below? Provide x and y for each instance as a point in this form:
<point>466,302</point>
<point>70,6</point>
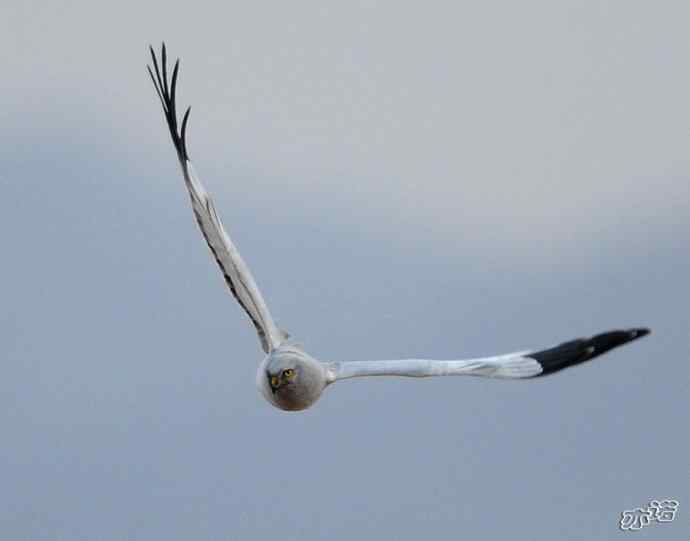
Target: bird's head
<point>290,379</point>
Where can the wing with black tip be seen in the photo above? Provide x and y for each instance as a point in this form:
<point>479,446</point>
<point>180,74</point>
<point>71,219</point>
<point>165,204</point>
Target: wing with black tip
<point>523,364</point>
<point>237,274</point>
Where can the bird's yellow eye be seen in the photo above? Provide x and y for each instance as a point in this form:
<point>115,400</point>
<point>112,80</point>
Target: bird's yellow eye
<point>274,381</point>
<point>288,373</point>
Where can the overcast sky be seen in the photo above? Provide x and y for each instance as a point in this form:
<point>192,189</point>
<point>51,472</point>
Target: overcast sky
<point>447,180</point>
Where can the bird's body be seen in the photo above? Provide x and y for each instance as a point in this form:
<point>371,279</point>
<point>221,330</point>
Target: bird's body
<point>292,380</point>
<point>299,391</point>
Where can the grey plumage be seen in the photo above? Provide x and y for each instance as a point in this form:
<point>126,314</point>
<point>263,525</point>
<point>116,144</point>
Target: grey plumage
<point>310,379</point>
<point>289,378</point>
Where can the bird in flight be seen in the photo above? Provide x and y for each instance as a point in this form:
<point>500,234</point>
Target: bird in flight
<point>288,377</point>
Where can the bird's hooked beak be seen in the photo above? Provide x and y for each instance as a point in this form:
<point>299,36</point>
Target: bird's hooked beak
<point>273,382</point>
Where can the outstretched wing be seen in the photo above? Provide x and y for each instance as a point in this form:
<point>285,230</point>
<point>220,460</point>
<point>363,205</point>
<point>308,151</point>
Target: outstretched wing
<point>524,364</point>
<point>236,272</point>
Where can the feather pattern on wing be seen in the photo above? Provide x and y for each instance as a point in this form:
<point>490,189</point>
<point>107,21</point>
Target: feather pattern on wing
<point>523,364</point>
<point>236,273</point>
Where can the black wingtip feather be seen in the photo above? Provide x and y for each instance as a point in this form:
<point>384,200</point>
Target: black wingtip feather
<point>167,91</point>
<point>584,349</point>
<point>164,65</point>
<point>153,80</point>
<point>183,132</point>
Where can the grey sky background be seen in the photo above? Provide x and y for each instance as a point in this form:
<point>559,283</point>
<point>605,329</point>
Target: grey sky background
<point>446,180</point>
